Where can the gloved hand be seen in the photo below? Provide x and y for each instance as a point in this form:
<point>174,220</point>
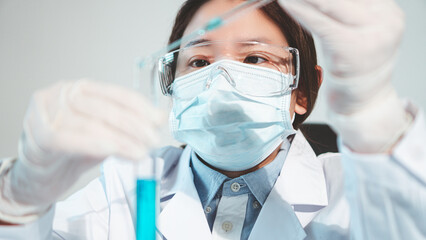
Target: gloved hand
<point>360,40</point>
<point>69,128</point>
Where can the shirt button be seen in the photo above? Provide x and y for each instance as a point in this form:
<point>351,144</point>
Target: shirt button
<point>256,204</point>
<point>208,209</point>
<point>227,226</point>
<point>235,187</point>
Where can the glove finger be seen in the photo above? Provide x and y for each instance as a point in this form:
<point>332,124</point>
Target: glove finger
<point>99,142</point>
<point>311,19</point>
<point>140,128</point>
<point>125,98</point>
<point>339,11</point>
<point>49,115</point>
<point>81,137</point>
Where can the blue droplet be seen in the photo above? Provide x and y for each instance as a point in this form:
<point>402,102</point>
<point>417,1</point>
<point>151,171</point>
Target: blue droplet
<point>214,23</point>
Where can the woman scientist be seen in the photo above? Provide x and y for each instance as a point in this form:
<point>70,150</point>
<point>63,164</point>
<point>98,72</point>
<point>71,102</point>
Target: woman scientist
<point>238,95</point>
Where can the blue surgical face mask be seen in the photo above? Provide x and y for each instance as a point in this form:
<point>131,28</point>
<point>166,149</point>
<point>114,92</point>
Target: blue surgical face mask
<point>228,129</point>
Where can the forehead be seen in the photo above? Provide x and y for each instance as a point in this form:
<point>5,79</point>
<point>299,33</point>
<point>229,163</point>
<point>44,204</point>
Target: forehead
<point>253,25</point>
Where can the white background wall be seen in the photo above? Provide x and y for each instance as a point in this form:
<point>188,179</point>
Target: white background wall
<point>48,40</point>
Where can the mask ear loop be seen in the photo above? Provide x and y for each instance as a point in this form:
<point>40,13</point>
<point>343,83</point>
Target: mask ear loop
<point>293,118</point>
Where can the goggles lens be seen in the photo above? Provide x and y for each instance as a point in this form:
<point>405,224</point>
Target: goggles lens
<point>283,60</point>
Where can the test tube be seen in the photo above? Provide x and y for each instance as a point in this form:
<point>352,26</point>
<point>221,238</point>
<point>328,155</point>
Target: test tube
<point>145,170</point>
<point>146,199</point>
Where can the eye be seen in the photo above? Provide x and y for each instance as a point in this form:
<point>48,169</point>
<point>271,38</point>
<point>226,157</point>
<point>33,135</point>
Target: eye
<point>254,60</point>
<point>199,63</point>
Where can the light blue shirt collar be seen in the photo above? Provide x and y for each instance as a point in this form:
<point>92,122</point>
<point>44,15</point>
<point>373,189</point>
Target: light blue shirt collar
<point>207,181</point>
<point>260,182</point>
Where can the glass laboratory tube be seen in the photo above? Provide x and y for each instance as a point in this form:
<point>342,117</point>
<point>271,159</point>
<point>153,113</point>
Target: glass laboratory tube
<point>146,199</point>
<point>147,189</point>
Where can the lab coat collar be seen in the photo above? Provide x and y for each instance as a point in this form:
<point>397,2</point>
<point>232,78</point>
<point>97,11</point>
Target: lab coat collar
<point>183,217</point>
<point>302,180</point>
<point>297,197</point>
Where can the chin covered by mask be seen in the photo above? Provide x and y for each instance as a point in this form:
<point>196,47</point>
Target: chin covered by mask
<point>228,129</point>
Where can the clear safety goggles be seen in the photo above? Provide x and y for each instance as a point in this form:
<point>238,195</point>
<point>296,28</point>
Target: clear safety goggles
<point>189,60</point>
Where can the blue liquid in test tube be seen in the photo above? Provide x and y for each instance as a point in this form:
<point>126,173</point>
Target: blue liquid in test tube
<point>146,199</point>
<point>146,209</point>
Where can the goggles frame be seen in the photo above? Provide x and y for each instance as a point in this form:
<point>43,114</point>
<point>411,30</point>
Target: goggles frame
<point>166,65</point>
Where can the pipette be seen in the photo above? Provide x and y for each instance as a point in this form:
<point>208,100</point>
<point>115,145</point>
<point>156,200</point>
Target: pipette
<point>146,182</point>
<point>211,25</point>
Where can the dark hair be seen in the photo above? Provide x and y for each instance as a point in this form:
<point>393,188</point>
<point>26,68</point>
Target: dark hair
<point>296,36</point>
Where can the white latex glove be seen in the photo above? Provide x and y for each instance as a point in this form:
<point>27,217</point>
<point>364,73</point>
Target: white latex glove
<point>360,39</point>
<point>69,128</point>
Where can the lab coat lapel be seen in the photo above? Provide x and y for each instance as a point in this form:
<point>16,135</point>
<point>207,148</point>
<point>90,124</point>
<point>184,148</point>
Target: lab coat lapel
<point>183,216</point>
<point>119,204</point>
<point>297,197</point>
<point>277,220</point>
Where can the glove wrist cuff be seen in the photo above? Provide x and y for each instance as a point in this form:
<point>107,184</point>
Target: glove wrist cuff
<point>12,211</point>
<point>374,129</point>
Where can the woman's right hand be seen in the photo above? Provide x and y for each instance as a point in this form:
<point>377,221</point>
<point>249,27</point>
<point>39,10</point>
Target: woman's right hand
<point>68,128</point>
<point>360,40</point>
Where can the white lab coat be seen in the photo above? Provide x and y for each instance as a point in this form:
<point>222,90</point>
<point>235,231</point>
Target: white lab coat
<point>382,197</point>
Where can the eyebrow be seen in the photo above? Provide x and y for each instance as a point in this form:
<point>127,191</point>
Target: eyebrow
<point>197,41</point>
<point>204,40</point>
